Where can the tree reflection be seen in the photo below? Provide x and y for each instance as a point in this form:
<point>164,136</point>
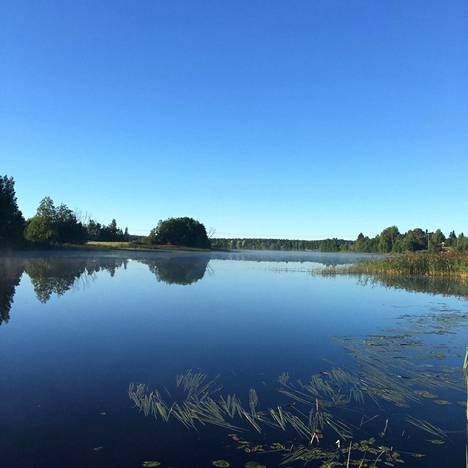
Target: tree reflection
<point>57,275</point>
<point>177,269</point>
<point>10,276</point>
<point>444,285</point>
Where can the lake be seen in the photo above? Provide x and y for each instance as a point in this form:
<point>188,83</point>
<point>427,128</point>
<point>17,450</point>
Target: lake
<point>114,359</point>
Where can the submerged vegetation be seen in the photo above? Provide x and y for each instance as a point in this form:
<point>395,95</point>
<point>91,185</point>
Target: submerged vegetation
<point>353,416</point>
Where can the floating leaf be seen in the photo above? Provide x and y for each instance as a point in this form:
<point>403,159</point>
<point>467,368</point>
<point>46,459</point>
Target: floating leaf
<point>436,441</point>
<point>253,464</point>
<point>220,463</point>
<point>425,394</point>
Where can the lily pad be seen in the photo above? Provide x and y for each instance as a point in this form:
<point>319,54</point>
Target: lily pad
<point>442,402</point>
<point>221,463</point>
<point>425,394</point>
<point>150,464</point>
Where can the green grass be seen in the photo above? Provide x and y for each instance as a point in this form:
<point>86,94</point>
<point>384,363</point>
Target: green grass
<point>140,246</point>
<point>112,245</point>
<point>414,264</point>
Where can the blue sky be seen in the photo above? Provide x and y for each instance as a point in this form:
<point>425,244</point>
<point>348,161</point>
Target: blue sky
<point>302,119</point>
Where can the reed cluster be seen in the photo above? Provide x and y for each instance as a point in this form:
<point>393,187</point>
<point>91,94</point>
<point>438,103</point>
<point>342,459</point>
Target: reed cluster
<point>389,371</point>
<point>449,263</point>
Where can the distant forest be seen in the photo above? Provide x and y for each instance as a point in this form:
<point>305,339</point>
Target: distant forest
<point>390,240</point>
<point>58,224</point>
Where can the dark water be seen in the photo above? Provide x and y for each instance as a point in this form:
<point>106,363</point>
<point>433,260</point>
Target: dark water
<point>77,329</point>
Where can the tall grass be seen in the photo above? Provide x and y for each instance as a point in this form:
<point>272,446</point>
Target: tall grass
<point>415,264</point>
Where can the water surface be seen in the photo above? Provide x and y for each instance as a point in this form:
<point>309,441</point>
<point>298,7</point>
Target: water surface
<point>78,329</point>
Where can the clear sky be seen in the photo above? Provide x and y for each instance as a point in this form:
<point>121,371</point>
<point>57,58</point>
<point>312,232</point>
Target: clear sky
<point>301,119</point>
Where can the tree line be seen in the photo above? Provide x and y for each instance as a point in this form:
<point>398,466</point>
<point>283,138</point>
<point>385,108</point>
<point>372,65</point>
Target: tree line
<point>51,224</point>
<point>54,224</point>
<point>390,240</point>
<point>274,244</point>
<point>60,225</point>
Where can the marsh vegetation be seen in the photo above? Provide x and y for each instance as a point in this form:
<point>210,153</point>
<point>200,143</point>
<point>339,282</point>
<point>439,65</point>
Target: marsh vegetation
<point>326,419</point>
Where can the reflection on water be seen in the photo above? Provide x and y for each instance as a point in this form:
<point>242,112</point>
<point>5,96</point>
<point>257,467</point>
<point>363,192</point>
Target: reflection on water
<point>10,275</point>
<point>56,274</point>
<point>305,366</point>
<point>178,270</point>
<point>444,285</point>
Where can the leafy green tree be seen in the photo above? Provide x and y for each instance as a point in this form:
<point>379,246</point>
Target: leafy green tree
<point>42,228</point>
<point>462,243</point>
<point>55,224</point>
<point>436,241</point>
<point>416,239</point>
<point>399,245</point>
<point>451,240</point>
<point>329,245</point>
<point>180,231</point>
<point>11,219</point>
<point>387,239</point>
<point>69,229</point>
<point>93,230</point>
<point>365,244</point>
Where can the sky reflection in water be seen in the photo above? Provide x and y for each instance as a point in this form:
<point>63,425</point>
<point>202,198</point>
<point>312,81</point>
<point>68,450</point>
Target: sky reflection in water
<point>77,329</point>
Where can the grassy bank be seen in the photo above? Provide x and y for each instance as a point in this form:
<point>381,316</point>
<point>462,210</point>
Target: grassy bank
<point>413,264</point>
<point>141,246</point>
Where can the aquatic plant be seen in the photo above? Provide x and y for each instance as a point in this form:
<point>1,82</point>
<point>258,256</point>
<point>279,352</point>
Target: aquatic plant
<point>221,463</point>
<point>390,368</point>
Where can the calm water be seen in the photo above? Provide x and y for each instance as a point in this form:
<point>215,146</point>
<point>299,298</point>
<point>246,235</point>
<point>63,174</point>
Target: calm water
<point>77,330</point>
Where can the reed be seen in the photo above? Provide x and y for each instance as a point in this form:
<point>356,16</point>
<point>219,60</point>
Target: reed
<point>387,370</point>
<point>448,263</point>
<point>427,427</point>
